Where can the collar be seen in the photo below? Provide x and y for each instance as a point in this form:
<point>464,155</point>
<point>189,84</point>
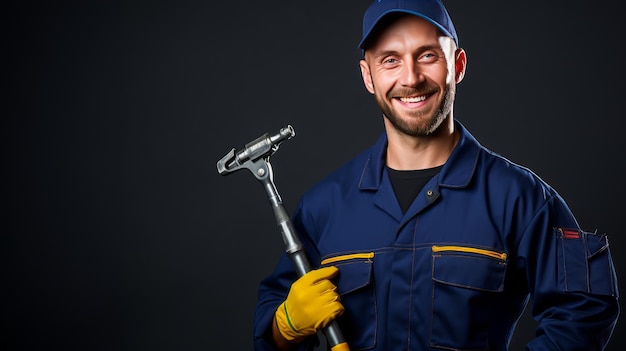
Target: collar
<point>457,172</point>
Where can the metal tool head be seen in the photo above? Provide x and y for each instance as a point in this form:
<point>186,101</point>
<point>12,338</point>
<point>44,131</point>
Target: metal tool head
<point>259,149</point>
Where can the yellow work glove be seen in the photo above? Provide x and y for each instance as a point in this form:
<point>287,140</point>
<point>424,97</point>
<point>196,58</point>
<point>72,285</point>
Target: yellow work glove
<point>311,304</point>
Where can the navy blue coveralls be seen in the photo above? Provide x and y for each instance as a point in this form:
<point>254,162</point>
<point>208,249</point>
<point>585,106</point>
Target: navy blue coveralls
<point>456,270</point>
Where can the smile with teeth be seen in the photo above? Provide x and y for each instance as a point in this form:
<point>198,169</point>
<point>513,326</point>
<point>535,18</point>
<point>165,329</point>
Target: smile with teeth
<point>413,99</point>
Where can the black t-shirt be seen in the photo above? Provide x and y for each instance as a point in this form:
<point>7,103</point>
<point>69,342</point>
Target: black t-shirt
<point>407,184</point>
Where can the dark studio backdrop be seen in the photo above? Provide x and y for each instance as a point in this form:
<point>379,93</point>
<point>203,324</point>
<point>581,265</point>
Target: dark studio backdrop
<point>119,234</point>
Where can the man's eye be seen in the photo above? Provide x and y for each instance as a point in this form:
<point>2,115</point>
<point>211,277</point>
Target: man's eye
<point>428,57</point>
<point>390,61</point>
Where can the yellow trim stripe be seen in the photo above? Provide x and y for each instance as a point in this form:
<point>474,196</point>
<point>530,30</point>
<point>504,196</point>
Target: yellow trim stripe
<point>499,255</point>
<point>348,257</point>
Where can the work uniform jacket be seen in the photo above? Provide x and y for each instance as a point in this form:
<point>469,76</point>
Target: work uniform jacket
<point>455,271</point>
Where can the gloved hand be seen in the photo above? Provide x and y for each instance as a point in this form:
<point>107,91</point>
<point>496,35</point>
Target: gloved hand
<point>311,304</point>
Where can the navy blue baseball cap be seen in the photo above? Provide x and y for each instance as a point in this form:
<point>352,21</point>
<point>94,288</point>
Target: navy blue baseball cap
<point>431,10</point>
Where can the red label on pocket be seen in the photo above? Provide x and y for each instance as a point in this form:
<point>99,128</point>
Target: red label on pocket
<point>571,234</point>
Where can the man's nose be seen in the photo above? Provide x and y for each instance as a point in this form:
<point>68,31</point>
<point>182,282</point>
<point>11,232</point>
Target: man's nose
<point>411,75</point>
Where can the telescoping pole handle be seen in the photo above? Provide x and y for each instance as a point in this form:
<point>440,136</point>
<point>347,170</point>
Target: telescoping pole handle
<point>255,157</point>
<point>297,255</point>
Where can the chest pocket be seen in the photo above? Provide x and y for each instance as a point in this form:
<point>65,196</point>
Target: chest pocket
<point>356,290</point>
<point>465,279</point>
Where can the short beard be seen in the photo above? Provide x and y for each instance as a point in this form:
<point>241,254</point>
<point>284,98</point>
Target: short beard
<point>432,123</point>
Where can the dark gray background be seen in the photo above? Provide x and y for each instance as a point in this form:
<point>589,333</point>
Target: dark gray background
<point>119,233</point>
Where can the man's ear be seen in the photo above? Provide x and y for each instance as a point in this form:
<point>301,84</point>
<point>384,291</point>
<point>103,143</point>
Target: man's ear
<point>367,76</point>
<point>460,65</point>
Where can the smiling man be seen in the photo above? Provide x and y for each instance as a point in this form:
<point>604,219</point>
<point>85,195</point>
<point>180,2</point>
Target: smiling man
<point>427,240</point>
<point>412,71</point>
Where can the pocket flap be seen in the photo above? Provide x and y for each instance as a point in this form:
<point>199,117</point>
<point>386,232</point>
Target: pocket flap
<point>355,270</point>
<point>473,272</point>
<point>353,276</point>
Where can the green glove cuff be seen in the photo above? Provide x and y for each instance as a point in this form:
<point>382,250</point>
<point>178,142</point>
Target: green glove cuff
<point>286,327</point>
<point>311,304</point>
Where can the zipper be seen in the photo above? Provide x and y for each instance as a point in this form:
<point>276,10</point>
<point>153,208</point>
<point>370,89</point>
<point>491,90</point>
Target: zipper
<point>368,256</point>
<point>498,255</point>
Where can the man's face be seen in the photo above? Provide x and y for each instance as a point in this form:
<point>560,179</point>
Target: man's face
<point>410,69</point>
